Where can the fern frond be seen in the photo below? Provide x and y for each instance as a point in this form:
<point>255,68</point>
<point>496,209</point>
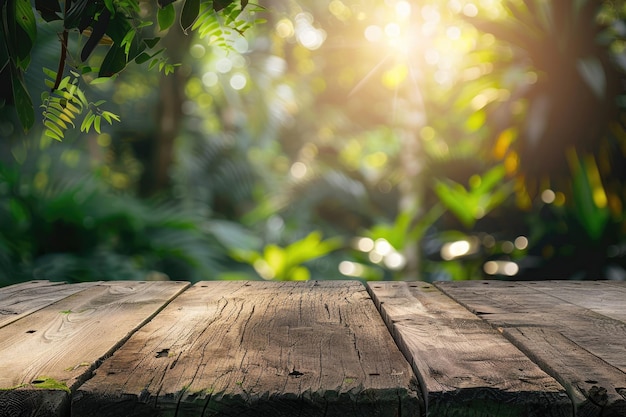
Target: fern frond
<point>64,104</point>
<point>219,27</point>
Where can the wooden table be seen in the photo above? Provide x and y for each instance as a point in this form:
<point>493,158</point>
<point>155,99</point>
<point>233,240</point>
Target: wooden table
<point>318,348</point>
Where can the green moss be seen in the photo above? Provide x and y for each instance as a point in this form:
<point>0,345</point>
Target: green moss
<point>73,368</point>
<point>49,383</point>
<point>15,387</point>
<point>41,383</point>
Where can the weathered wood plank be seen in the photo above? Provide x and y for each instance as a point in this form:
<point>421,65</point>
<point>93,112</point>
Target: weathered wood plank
<point>257,349</point>
<point>19,300</point>
<point>585,332</point>
<point>604,297</point>
<point>585,376</point>
<point>465,366</point>
<point>48,353</point>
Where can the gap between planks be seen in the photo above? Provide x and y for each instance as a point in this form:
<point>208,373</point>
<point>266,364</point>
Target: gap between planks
<point>54,348</point>
<point>574,330</point>
<point>258,348</point>
<point>464,365</point>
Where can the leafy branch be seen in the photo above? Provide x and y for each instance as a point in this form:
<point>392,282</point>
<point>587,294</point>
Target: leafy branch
<point>65,102</point>
<point>115,24</point>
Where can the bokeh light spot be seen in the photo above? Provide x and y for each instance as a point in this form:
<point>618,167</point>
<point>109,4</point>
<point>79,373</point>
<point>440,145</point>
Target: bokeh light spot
<point>209,79</point>
<point>284,28</point>
<point>298,170</point>
<point>373,33</point>
<point>238,81</point>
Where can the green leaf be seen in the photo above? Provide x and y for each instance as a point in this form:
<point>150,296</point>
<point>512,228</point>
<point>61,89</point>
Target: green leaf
<point>152,42</point>
<point>48,9</point>
<point>276,259</point>
<point>101,80</point>
<point>55,119</point>
<point>57,116</point>
<point>456,200</point>
<point>221,4</point>
<point>127,41</point>
<point>50,73</point>
<point>142,57</point>
<point>49,133</point>
<point>300,273</point>
<point>64,82</point>
<point>114,62</point>
<point>109,6</point>
<point>96,123</point>
<point>144,24</point>
<point>491,179</point>
<point>25,17</point>
<point>87,121</point>
<point>118,28</point>
<point>589,197</point>
<point>22,100</point>
<point>189,14</point>
<point>52,126</point>
<point>166,16</point>
<point>78,10</point>
<point>21,32</point>
<point>99,29</point>
<point>153,63</point>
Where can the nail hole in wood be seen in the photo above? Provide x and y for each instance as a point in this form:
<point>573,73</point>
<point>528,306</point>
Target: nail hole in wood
<point>163,353</point>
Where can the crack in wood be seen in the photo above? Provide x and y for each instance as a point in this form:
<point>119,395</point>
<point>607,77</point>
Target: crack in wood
<point>246,322</point>
<point>305,337</point>
<point>206,404</point>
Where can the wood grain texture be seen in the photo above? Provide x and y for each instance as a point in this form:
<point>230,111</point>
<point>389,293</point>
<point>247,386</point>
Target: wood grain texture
<point>562,320</point>
<point>257,349</point>
<point>19,300</point>
<point>48,353</point>
<point>585,376</point>
<point>607,298</point>
<point>465,366</point>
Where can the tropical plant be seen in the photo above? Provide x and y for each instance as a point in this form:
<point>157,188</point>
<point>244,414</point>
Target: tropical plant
<point>119,26</point>
<point>61,226</point>
<point>565,49</point>
<point>288,263</point>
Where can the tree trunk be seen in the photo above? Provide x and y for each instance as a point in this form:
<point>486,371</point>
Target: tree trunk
<point>156,176</point>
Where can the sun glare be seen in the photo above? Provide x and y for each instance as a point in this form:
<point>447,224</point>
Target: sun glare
<point>418,39</point>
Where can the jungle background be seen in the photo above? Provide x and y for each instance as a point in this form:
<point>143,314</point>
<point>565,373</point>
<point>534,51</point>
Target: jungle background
<point>341,139</point>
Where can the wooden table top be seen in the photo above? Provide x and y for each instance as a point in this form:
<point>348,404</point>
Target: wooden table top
<point>316,348</point>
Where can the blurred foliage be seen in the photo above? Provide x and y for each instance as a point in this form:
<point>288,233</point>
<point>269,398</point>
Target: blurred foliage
<point>286,263</point>
<point>61,222</point>
<point>449,139</point>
